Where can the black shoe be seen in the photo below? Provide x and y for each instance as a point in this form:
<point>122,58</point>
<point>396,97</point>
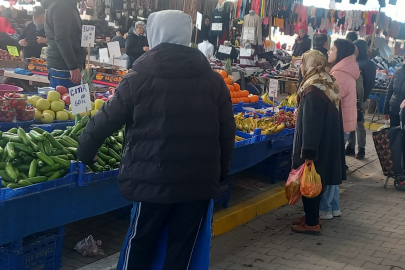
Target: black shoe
<point>361,153</point>
<point>350,151</point>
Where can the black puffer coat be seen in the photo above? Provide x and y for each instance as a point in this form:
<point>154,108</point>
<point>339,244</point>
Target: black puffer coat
<point>63,29</point>
<point>180,128</point>
<point>396,92</point>
<point>134,48</point>
<point>300,48</point>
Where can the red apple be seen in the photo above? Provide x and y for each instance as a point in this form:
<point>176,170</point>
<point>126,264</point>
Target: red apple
<point>66,99</point>
<point>61,89</point>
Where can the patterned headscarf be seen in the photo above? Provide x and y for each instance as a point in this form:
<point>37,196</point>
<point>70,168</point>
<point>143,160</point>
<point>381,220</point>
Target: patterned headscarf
<point>317,74</point>
<point>143,25</point>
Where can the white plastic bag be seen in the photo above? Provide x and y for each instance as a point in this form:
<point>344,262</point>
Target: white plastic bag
<point>89,247</point>
<point>386,125</point>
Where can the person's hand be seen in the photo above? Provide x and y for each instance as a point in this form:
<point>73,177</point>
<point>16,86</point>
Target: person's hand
<point>309,162</point>
<point>403,104</point>
<point>75,76</point>
<point>298,41</point>
<point>296,112</point>
<point>41,40</point>
<point>23,43</point>
<point>146,48</point>
<point>387,117</point>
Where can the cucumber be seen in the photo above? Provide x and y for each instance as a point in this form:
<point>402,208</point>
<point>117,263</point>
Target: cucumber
<point>107,141</point>
<point>17,171</point>
<point>114,154</point>
<point>45,159</point>
<point>2,165</point>
<point>21,133</point>
<point>52,140</point>
<point>63,157</point>
<point>75,137</point>
<point>104,157</point>
<point>119,139</point>
<point>41,163</point>
<point>4,156</point>
<point>63,143</point>
<point>50,168</point>
<point>24,183</point>
<point>13,130</point>
<point>116,148</point>
<point>65,164</point>
<point>3,184</point>
<point>47,147</point>
<point>23,148</point>
<point>112,140</point>
<point>36,180</point>
<point>37,136</point>
<point>56,153</point>
<point>3,143</point>
<point>41,147</point>
<point>56,175</point>
<point>13,185</point>
<point>33,168</point>
<point>10,171</point>
<point>69,156</point>
<point>27,160</point>
<point>121,134</point>
<point>112,161</point>
<point>85,120</point>
<point>70,141</point>
<point>49,174</point>
<point>37,129</point>
<point>77,127</point>
<point>96,168</point>
<point>11,138</point>
<point>23,176</point>
<point>24,167</point>
<point>101,162</point>
<point>103,150</point>
<point>16,162</point>
<point>5,176</point>
<point>78,117</point>
<point>57,132</point>
<point>72,150</point>
<point>80,131</point>
<point>10,150</point>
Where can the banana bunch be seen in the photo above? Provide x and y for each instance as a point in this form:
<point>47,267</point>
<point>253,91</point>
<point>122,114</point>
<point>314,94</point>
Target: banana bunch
<point>266,99</point>
<point>289,101</point>
<point>273,128</point>
<point>238,139</point>
<point>245,124</point>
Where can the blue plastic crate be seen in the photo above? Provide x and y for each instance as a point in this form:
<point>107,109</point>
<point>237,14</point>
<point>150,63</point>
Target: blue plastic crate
<point>5,126</point>
<point>84,178</point>
<point>55,125</point>
<point>68,181</point>
<point>38,251</point>
<point>225,193</point>
<point>249,138</point>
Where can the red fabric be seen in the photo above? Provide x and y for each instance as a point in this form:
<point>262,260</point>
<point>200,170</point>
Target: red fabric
<point>278,45</point>
<point>256,6</point>
<point>5,26</point>
<point>239,5</point>
<point>369,29</point>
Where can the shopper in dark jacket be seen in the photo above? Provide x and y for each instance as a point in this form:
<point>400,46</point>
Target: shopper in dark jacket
<point>368,71</point>
<point>318,133</point>
<point>33,38</point>
<point>302,43</point>
<point>65,56</point>
<point>179,140</point>
<point>136,43</point>
<point>395,96</point>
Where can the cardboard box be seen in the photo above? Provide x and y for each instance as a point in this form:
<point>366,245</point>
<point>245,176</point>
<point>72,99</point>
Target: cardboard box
<point>107,79</point>
<point>12,64</point>
<point>37,68</point>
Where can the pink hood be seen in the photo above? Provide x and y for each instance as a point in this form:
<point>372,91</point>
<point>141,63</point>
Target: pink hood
<point>346,72</point>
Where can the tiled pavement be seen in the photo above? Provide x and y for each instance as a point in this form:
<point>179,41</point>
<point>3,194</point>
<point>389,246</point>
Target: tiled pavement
<point>358,238</point>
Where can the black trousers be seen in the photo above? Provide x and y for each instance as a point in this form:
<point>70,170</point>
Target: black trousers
<point>394,120</point>
<point>311,209</point>
<point>184,222</point>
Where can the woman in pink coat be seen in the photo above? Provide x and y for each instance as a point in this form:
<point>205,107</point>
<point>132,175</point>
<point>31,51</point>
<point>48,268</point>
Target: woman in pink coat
<point>346,71</point>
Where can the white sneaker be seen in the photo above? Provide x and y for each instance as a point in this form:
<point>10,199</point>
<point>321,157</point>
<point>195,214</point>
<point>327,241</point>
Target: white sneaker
<point>337,213</point>
<point>325,215</point>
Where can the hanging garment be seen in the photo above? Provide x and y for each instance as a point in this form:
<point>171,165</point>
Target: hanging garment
<point>255,23</point>
<point>243,9</point>
<point>219,18</point>
<point>392,2</point>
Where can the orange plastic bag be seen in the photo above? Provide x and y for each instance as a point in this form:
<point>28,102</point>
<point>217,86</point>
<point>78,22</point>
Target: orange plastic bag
<point>311,185</point>
<point>292,187</point>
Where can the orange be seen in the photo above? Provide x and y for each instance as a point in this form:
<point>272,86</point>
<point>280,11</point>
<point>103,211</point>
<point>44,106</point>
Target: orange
<point>245,93</point>
<point>230,87</point>
<point>223,73</point>
<point>236,86</point>
<point>228,81</point>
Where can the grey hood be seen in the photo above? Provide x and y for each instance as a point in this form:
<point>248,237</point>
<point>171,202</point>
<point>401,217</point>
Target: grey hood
<point>169,26</point>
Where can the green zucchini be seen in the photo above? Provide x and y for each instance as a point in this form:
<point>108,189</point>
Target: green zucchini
<point>33,168</point>
<point>13,130</point>
<point>45,159</point>
<point>37,129</point>
<point>70,141</point>
<point>14,185</point>
<point>37,179</point>
<point>52,140</point>
<point>11,138</point>
<point>10,171</point>
<point>22,148</point>
<point>47,147</point>
<point>65,164</point>
<point>24,183</point>
<point>52,168</point>
<point>24,167</point>
<point>10,150</point>
<point>37,136</point>
<point>114,154</point>
<point>5,176</point>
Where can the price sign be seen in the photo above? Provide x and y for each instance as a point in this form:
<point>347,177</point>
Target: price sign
<point>199,21</point>
<point>114,49</point>
<point>13,51</point>
<point>80,99</point>
<point>88,35</point>
<point>245,52</point>
<point>225,49</point>
<point>249,33</point>
<point>216,27</point>
<point>273,87</point>
<point>104,58</point>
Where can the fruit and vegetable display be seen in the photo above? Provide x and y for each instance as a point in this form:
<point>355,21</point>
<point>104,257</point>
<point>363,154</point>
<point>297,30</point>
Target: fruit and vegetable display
<point>39,156</point>
<point>237,95</point>
<point>268,125</point>
<point>266,99</point>
<point>4,55</point>
<point>14,105</point>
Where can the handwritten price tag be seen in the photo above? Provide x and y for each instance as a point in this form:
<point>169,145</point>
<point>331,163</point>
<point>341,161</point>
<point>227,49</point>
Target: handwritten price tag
<point>273,87</point>
<point>80,99</point>
<point>216,27</point>
<point>13,51</point>
<point>245,52</point>
<point>88,35</point>
<point>249,33</point>
<point>199,21</point>
<point>225,49</point>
